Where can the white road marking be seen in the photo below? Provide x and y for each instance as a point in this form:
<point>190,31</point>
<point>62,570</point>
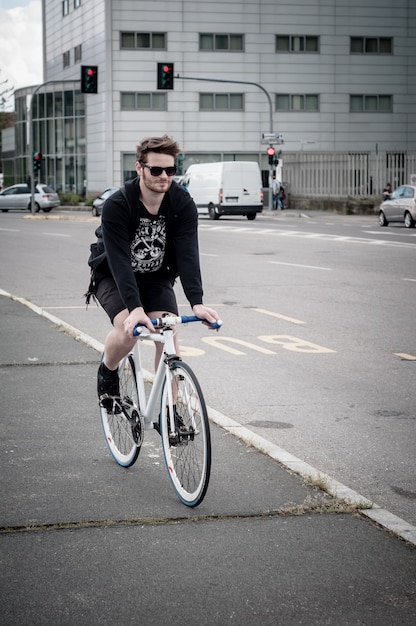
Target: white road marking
<point>304,235</point>
<point>310,267</point>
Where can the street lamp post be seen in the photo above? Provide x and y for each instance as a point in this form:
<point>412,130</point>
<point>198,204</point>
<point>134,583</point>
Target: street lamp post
<point>243,82</point>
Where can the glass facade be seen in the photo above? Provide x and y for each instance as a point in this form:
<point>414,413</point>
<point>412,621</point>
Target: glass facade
<point>58,123</point>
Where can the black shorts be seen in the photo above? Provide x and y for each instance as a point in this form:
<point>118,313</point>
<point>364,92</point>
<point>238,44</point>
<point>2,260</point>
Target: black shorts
<point>156,295</point>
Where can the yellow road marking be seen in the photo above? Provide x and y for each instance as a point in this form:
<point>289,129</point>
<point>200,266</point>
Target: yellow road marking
<point>294,344</point>
<point>218,342</point>
<point>282,317</point>
<point>403,355</point>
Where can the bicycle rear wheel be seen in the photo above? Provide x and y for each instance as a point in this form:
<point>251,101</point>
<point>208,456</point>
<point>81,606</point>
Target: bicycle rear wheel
<point>123,427</point>
<point>187,452</point>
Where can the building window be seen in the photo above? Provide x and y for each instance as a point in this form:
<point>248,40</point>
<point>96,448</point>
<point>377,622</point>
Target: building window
<point>77,53</point>
<point>296,102</point>
<point>77,3</point>
<point>371,45</point>
<point>66,58</point>
<point>297,43</point>
<point>371,103</point>
<point>65,7</point>
<point>142,41</point>
<point>221,102</point>
<point>221,42</point>
<point>152,101</point>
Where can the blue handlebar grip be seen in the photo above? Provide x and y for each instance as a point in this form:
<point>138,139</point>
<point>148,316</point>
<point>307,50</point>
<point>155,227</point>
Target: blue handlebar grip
<point>192,318</point>
<point>189,318</point>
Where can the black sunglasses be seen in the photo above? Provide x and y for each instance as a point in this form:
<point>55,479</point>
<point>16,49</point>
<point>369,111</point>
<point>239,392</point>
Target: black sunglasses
<point>155,170</point>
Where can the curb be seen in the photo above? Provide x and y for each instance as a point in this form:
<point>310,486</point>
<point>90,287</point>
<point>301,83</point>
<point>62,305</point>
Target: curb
<point>371,510</point>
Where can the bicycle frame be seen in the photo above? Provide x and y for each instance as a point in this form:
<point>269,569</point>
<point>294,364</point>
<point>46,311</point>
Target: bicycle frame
<point>148,404</point>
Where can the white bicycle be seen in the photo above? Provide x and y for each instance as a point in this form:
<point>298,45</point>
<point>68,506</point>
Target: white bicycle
<point>182,422</point>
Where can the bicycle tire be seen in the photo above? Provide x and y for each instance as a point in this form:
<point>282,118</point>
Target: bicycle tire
<point>116,425</point>
<point>188,457</point>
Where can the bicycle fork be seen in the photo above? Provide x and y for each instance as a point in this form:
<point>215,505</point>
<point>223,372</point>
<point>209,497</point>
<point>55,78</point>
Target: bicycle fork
<point>182,424</point>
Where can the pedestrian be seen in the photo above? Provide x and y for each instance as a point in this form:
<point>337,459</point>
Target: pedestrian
<point>387,192</point>
<point>276,187</point>
<point>282,197</point>
<point>148,237</point>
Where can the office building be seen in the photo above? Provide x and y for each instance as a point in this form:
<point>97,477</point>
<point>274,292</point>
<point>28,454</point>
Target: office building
<point>332,76</point>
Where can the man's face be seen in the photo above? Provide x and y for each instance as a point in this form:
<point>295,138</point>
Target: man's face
<point>157,184</point>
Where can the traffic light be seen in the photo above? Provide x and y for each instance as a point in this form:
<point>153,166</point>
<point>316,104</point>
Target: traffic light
<point>180,162</point>
<point>165,75</point>
<point>37,160</point>
<point>271,152</point>
<point>89,78</point>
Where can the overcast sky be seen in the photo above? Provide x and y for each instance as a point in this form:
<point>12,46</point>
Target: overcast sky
<point>20,44</point>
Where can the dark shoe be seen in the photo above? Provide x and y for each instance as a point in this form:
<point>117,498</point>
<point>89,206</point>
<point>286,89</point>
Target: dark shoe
<point>108,387</point>
<point>182,435</point>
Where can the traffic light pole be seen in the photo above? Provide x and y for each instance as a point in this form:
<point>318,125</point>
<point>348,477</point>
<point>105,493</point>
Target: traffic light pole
<point>30,127</point>
<point>244,82</point>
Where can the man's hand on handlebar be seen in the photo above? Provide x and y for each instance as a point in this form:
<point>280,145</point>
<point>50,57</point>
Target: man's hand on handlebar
<point>137,316</point>
<point>204,313</point>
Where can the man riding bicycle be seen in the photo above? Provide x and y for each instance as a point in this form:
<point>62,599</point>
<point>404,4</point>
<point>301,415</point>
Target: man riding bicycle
<point>149,237</point>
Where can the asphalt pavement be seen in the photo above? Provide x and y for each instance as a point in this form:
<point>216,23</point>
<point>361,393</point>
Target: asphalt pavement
<point>85,542</point>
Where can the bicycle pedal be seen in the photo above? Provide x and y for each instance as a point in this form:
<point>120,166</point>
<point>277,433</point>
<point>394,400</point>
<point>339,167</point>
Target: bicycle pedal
<point>181,437</point>
<point>112,404</point>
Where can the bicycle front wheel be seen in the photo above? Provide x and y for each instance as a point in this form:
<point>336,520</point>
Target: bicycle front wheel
<point>187,450</point>
<point>123,426</point>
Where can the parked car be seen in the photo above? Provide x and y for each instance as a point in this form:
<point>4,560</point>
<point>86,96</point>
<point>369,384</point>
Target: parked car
<point>97,205</point>
<point>18,198</point>
<point>400,207</point>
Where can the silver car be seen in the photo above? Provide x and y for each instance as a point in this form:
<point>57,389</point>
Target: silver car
<point>401,207</point>
<point>97,205</point>
<point>18,198</point>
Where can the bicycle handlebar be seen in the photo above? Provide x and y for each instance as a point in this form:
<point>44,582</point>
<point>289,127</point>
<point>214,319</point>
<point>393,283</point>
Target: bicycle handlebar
<point>169,320</point>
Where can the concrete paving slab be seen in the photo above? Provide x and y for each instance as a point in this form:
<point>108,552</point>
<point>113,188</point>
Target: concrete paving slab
<point>311,570</point>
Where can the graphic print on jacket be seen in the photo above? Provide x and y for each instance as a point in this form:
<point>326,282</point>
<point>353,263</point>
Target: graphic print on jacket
<point>149,244</point>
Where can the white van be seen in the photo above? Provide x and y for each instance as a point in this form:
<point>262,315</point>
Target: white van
<point>225,188</point>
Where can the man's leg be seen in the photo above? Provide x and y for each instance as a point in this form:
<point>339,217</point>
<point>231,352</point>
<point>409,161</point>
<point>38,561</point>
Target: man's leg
<point>117,343</point>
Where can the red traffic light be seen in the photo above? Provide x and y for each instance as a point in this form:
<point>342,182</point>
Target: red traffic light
<point>271,151</point>
<point>165,76</point>
<point>38,156</point>
<point>89,78</point>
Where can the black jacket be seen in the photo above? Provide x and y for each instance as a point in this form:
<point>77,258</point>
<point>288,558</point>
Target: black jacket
<point>119,223</point>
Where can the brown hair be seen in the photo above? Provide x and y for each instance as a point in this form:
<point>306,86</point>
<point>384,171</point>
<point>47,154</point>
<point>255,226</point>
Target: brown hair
<point>162,145</point>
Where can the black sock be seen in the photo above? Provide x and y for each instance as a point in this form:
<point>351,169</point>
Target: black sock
<point>107,373</point>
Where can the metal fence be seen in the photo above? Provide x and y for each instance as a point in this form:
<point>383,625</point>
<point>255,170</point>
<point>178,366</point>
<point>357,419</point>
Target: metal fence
<point>356,174</point>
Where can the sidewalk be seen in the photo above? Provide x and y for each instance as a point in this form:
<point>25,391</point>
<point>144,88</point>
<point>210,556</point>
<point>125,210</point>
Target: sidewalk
<point>84,541</point>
